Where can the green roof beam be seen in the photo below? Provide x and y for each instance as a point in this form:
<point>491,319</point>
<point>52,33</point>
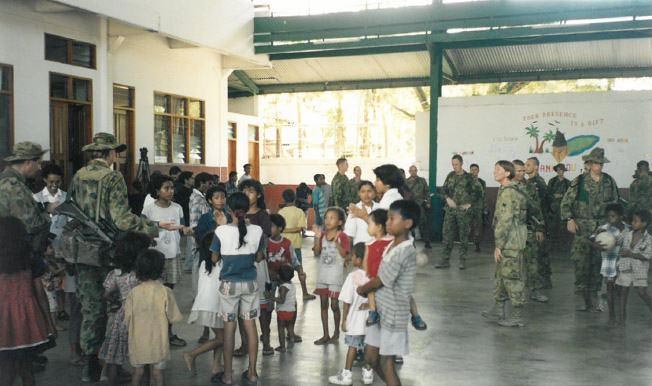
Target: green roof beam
<point>532,76</point>
<point>343,85</point>
<point>246,80</point>
<point>350,52</point>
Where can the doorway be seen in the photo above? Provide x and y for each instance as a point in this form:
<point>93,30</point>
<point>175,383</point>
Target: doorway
<point>233,145</point>
<point>254,154</point>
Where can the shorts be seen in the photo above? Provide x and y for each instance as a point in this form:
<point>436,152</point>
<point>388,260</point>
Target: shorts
<point>157,366</point>
<point>285,315</point>
<point>389,343</point>
<point>328,290</point>
<point>627,279</point>
<point>356,341</point>
<point>239,299</point>
<point>297,252</point>
<point>172,271</point>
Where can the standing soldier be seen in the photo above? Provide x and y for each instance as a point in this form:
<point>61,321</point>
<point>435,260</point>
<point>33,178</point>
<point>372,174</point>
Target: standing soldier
<point>17,200</point>
<point>640,191</point>
<point>557,187</point>
<point>510,233</point>
<point>478,208</point>
<point>343,194</point>
<point>97,181</point>
<point>460,192</point>
<point>583,207</point>
<point>540,187</point>
<point>421,195</point>
<point>535,235</point>
<point>355,183</point>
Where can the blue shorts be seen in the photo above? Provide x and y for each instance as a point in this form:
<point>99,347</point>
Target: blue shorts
<point>297,252</point>
<point>356,341</point>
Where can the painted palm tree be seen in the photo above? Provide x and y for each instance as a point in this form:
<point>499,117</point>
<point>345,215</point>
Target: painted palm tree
<point>532,131</point>
<point>549,136</point>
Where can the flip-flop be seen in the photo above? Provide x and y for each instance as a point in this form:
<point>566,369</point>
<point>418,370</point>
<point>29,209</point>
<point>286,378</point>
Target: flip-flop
<point>239,352</point>
<point>322,341</point>
<point>246,381</point>
<point>268,351</point>
<point>216,379</point>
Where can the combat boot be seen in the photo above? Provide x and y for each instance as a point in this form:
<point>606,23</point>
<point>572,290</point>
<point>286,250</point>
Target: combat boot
<point>588,305</point>
<point>495,313</point>
<point>538,296</point>
<point>92,369</point>
<point>462,265</point>
<point>514,319</point>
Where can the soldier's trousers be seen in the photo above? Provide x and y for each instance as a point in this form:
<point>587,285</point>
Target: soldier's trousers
<point>531,262</point>
<point>477,226</point>
<point>93,307</point>
<point>457,221</point>
<point>424,224</point>
<point>587,262</point>
<point>509,279</point>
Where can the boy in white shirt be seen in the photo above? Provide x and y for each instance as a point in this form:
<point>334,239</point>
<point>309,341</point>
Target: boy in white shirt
<point>353,324</point>
<point>356,228</point>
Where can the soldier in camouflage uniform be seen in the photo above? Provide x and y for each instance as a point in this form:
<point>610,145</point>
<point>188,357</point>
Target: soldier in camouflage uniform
<point>355,183</point>
<point>510,233</point>
<point>421,195</point>
<point>477,222</point>
<point>557,187</point>
<point>540,187</point>
<point>343,193</point>
<point>583,207</point>
<point>640,191</point>
<point>17,200</point>
<point>535,234</point>
<point>97,181</point>
<point>459,192</point>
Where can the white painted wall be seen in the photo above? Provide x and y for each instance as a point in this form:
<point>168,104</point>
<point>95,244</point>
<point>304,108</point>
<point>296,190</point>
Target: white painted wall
<point>244,105</point>
<point>242,122</point>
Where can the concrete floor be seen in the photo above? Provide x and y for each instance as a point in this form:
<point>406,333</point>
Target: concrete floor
<point>559,346</point>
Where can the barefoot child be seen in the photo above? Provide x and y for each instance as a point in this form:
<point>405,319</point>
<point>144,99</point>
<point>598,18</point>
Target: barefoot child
<point>286,308</point>
<point>634,262</point>
<point>150,308</point>
<point>394,285</point>
<point>353,323</point>
<point>332,248</point>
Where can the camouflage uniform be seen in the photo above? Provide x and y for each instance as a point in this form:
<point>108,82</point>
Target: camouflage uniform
<point>463,190</point>
<point>585,202</point>
<point>477,211</point>
<point>555,193</point>
<point>355,187</point>
<point>640,194</point>
<point>113,207</point>
<point>343,194</point>
<point>421,194</point>
<point>510,233</point>
<point>532,249</point>
<point>539,251</point>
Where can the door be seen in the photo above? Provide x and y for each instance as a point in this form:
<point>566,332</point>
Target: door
<point>233,145</point>
<point>123,125</point>
<point>254,155</point>
<point>69,132</point>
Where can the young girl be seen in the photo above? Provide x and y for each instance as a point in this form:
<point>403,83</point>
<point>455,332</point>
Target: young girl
<point>24,315</point>
<point>286,308</point>
<point>614,226</point>
<point>149,310</point>
<point>634,262</point>
<point>374,255</point>
<point>168,241</point>
<point>332,247</point>
<point>356,228</point>
<point>205,309</point>
<point>115,351</point>
<point>237,245</point>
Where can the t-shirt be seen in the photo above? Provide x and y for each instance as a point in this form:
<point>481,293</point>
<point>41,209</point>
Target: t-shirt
<point>290,304</point>
<point>294,218</point>
<point>375,256</point>
<point>397,273</point>
<point>356,319</point>
<point>357,228</point>
<point>389,197</point>
<point>238,263</point>
<point>612,254</point>
<point>331,264</point>
<point>167,242</point>
<point>280,252</point>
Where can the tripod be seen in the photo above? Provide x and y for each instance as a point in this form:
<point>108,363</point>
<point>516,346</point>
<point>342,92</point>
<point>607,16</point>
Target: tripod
<point>143,173</point>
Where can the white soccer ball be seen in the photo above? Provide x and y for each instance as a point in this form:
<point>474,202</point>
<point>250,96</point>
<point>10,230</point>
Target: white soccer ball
<point>422,259</point>
<point>606,239</point>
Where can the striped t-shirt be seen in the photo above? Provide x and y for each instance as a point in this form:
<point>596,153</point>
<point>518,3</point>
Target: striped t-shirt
<point>397,273</point>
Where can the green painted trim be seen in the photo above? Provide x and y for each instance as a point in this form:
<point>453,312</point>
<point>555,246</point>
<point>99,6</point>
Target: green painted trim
<point>529,76</point>
<point>350,52</point>
<point>342,85</point>
<point>246,80</point>
<point>436,82</point>
<point>355,44</point>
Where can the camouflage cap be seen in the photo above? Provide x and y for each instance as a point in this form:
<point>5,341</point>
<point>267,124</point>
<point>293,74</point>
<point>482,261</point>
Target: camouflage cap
<point>104,141</point>
<point>559,167</point>
<point>596,155</point>
<point>24,151</point>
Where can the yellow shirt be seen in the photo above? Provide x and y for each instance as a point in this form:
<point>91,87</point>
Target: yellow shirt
<point>149,307</point>
<point>294,218</point>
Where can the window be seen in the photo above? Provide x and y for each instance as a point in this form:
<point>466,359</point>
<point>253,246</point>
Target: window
<point>179,129</point>
<point>123,127</point>
<point>70,88</point>
<point>6,109</point>
<point>68,51</point>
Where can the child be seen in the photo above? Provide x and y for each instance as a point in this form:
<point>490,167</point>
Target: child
<point>321,195</point>
<point>374,254</point>
<point>168,241</point>
<point>332,247</point>
<point>295,222</point>
<point>24,314</point>
<point>114,351</point>
<point>279,253</point>
<point>286,308</point>
<point>615,226</point>
<point>237,245</point>
<point>356,228</point>
<point>394,286</point>
<point>634,262</point>
<point>206,308</point>
<point>149,309</point>
<point>353,323</point>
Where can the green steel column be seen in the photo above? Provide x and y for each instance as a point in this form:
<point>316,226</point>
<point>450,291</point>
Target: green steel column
<point>436,56</point>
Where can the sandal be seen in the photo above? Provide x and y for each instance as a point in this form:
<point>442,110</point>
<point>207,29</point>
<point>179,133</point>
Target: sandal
<point>322,341</point>
<point>239,352</point>
<point>268,351</point>
<point>246,381</point>
<point>297,338</point>
<point>216,379</point>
